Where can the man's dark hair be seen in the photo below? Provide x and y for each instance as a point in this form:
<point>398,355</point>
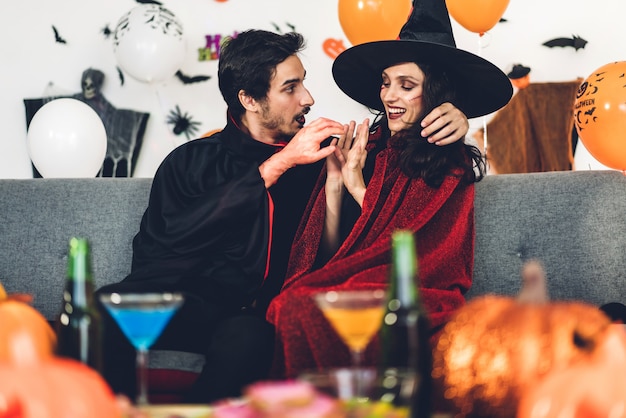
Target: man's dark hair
<point>248,62</point>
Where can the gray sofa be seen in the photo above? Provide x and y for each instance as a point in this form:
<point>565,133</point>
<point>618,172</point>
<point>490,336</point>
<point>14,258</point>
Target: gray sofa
<point>574,222</point>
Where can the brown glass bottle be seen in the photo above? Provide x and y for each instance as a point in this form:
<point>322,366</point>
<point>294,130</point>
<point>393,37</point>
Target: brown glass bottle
<point>79,324</point>
<point>405,330</point>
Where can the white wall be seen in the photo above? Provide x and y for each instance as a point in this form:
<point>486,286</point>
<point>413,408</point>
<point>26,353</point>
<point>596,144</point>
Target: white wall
<point>31,60</point>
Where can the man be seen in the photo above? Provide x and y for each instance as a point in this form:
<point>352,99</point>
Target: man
<point>223,211</point>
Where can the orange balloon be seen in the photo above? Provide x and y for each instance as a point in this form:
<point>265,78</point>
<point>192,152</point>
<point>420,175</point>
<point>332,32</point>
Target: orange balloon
<point>477,15</point>
<point>600,114</point>
<point>373,20</point>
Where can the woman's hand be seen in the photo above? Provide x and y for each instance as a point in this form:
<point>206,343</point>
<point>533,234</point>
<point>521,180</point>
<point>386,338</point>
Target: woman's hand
<point>334,188</point>
<point>352,169</point>
<point>444,125</point>
<point>342,146</point>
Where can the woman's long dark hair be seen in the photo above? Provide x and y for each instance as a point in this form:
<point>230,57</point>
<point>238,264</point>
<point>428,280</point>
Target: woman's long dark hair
<point>421,159</point>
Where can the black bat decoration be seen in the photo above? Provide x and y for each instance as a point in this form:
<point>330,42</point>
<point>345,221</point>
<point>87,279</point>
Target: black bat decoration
<point>106,31</point>
<point>57,37</point>
<point>279,30</point>
<point>191,79</point>
<point>575,42</point>
<point>121,75</point>
<point>149,2</point>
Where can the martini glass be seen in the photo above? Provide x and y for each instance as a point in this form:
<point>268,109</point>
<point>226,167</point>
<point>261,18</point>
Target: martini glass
<point>356,316</point>
<point>142,318</point>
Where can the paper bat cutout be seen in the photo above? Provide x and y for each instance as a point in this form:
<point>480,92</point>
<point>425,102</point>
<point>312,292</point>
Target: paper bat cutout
<point>575,42</point>
<point>120,75</point>
<point>279,30</point>
<point>191,79</point>
<point>106,32</point>
<point>57,37</point>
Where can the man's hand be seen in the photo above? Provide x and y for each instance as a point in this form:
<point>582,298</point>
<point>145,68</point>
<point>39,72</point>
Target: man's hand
<point>304,148</point>
<point>444,125</point>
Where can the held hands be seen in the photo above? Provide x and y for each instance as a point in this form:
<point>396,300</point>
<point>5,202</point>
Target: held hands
<point>444,125</point>
<point>304,148</point>
<point>347,162</point>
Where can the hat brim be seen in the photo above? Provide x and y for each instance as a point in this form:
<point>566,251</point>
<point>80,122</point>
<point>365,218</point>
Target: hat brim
<point>482,88</point>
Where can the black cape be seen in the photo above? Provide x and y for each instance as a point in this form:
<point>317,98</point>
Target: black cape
<point>210,220</point>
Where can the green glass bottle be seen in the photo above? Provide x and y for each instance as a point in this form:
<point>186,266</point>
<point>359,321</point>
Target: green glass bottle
<point>79,324</point>
<point>405,329</point>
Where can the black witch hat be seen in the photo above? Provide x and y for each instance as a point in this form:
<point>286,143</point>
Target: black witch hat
<point>426,37</point>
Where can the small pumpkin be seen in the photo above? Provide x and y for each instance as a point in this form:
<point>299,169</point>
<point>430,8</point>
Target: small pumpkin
<point>25,334</point>
<point>57,387</point>
<point>495,348</point>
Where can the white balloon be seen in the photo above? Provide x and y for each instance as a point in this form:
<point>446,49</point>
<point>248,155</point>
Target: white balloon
<point>149,44</point>
<point>66,138</point>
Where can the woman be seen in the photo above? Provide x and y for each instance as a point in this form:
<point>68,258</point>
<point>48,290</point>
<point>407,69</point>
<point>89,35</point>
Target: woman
<point>394,179</point>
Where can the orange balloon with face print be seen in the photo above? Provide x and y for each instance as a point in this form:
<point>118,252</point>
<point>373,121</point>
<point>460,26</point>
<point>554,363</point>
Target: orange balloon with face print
<point>600,114</point>
<point>373,20</point>
<point>477,16</point>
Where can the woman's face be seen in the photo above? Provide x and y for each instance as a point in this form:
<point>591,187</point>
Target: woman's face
<point>401,94</point>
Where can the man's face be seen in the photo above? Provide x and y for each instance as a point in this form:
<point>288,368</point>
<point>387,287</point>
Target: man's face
<point>287,101</point>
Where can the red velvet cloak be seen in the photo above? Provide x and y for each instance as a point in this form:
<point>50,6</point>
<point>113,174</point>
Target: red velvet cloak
<point>443,222</point>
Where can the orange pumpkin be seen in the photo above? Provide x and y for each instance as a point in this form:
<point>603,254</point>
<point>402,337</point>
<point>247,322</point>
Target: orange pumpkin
<point>25,335</point>
<point>595,387</point>
<point>495,348</point>
<point>56,387</point>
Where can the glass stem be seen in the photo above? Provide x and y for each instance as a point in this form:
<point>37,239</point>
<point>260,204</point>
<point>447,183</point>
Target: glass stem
<point>359,391</point>
<point>142,376</point>
<point>356,358</point>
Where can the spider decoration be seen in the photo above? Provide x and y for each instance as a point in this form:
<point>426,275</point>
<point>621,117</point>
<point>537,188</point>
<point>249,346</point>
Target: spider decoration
<point>183,123</point>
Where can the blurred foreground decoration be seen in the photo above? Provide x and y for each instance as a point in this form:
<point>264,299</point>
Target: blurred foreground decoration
<point>600,114</point>
<point>496,349</point>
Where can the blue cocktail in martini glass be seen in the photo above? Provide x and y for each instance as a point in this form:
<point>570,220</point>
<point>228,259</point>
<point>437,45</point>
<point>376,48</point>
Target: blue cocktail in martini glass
<point>142,318</point>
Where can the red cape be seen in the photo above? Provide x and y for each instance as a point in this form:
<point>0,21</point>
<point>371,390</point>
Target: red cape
<point>443,222</point>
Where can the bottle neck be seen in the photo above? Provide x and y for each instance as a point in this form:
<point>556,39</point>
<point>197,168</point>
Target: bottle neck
<point>79,284</point>
<point>405,274</point>
<point>78,292</point>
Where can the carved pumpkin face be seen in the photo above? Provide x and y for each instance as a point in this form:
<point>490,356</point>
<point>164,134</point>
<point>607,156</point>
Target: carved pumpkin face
<point>495,347</point>
<point>594,387</point>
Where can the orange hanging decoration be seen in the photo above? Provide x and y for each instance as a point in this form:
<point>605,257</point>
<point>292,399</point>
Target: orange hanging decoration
<point>333,47</point>
<point>600,114</point>
<point>373,20</point>
<point>477,16</point>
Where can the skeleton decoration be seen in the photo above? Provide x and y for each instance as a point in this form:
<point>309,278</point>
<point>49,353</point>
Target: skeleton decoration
<point>125,128</point>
